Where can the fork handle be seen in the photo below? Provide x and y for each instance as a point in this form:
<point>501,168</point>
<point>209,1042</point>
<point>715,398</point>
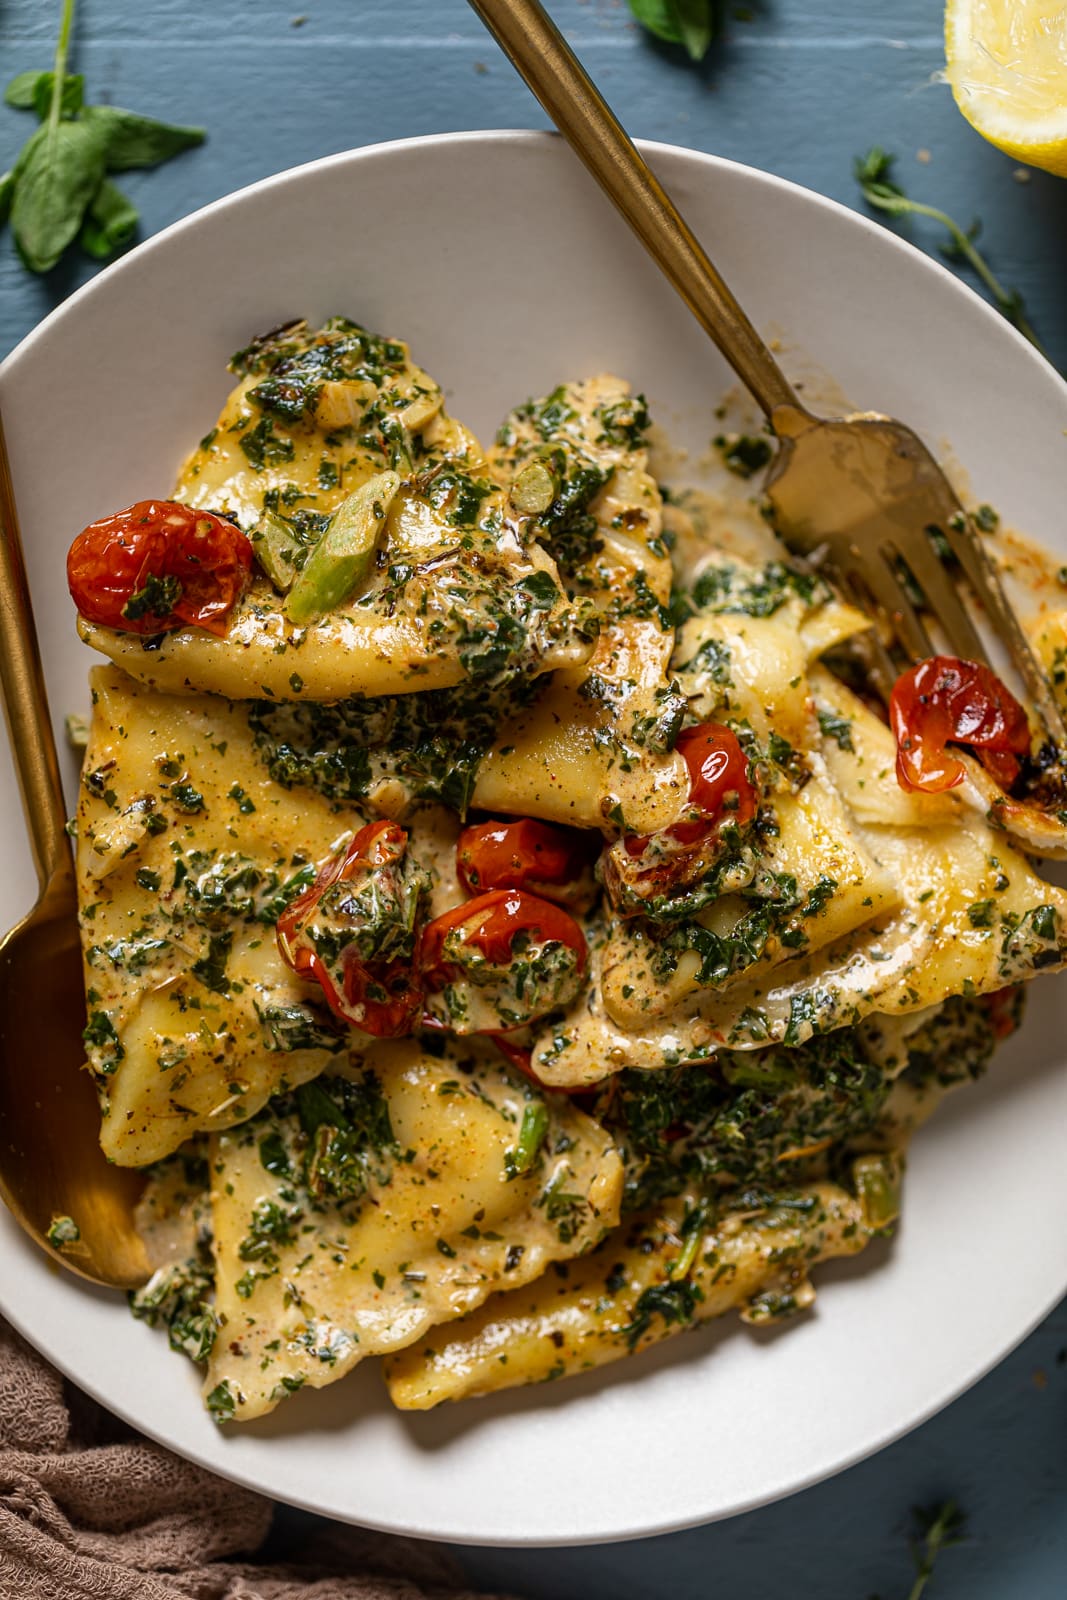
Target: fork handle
<point>25,701</point>
<point>540,54</point>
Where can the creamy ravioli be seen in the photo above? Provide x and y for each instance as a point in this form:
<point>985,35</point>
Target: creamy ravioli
<point>508,938</point>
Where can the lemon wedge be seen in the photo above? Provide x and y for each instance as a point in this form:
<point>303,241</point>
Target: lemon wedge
<point>1007,64</point>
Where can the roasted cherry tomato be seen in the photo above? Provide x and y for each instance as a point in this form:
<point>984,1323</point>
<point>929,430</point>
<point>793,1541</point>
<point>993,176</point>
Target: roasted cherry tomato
<point>945,699</point>
<point>157,566</point>
<point>523,854</point>
<point>719,785</point>
<point>521,1058</point>
<point>500,960</point>
<point>355,932</point>
<point>1004,1008</point>
<point>641,868</point>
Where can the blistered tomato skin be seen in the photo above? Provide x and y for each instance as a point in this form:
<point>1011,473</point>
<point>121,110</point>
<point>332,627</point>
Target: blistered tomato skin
<point>158,566</point>
<point>355,934</point>
<point>500,961</point>
<point>521,854</point>
<point>947,699</point>
<point>719,785</point>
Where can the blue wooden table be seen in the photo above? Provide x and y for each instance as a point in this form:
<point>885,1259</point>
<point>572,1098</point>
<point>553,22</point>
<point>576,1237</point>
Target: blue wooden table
<point>797,87</point>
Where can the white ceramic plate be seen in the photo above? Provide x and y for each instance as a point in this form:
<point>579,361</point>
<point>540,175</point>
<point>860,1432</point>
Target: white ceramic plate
<point>495,256</point>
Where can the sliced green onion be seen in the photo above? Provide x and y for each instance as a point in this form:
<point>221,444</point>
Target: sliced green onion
<point>344,555</point>
<point>877,1182</point>
<point>532,1135</point>
<point>533,489</point>
<point>275,545</point>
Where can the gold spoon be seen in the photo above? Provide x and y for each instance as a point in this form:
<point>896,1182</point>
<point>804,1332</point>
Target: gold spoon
<point>53,1173</point>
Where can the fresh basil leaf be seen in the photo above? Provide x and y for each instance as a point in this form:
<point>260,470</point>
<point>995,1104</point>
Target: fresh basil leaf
<point>7,189</point>
<point>658,17</point>
<point>110,222</point>
<point>696,24</point>
<point>58,172</point>
<point>73,95</point>
<point>32,91</point>
<point>691,23</point>
<point>130,140</point>
<point>20,91</point>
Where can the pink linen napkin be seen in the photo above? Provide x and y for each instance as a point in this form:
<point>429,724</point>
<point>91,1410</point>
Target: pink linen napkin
<point>89,1510</point>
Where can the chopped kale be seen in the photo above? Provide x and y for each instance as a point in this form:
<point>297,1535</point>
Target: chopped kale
<point>178,1297</point>
<point>210,970</point>
<point>431,742</point>
<point>625,423</point>
<point>724,588</point>
<point>349,1136</point>
<point>299,1028</point>
<point>733,1121</point>
<point>263,447</point>
<point>101,1037</point>
<point>156,599</point>
<point>744,454</point>
<point>673,1302</point>
<point>836,727</point>
<point>221,1402</point>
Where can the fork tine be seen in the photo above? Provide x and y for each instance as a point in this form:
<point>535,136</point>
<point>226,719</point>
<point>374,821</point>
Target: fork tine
<point>984,579</point>
<point>942,598</point>
<point>889,594</point>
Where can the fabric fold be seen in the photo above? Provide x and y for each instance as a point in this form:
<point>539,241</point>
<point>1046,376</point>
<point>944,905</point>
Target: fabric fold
<point>89,1510</point>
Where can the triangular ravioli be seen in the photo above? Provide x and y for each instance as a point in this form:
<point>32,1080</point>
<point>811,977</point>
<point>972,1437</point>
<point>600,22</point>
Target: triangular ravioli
<point>187,852</point>
<point>374,1204</point>
<point>459,586</point>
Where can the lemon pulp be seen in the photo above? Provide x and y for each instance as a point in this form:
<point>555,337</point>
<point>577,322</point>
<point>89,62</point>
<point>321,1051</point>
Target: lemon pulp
<point>1007,64</point>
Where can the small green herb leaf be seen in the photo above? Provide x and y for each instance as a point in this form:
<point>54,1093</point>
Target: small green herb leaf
<point>692,23</point>
<point>20,91</point>
<point>58,173</point>
<point>131,140</point>
<point>110,222</point>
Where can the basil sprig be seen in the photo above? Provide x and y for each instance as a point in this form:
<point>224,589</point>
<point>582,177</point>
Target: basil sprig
<point>59,188</point>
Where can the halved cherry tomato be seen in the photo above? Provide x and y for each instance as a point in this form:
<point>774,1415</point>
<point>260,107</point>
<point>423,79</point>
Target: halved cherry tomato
<point>719,786</point>
<point>500,960</point>
<point>361,951</point>
<point>157,566</point>
<point>1004,1008</point>
<point>521,1058</point>
<point>522,854</point>
<point>945,699</point>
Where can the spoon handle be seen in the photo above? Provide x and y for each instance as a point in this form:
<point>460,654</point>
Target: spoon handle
<point>25,701</point>
<point>540,54</point>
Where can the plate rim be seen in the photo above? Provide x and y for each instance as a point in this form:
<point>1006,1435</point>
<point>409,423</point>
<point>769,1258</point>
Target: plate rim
<point>892,243</point>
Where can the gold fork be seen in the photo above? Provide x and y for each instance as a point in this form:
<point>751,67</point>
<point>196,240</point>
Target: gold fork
<point>860,493</point>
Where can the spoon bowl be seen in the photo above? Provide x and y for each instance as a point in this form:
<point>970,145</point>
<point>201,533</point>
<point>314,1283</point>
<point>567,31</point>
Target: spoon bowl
<point>53,1175</point>
<point>51,1165</point>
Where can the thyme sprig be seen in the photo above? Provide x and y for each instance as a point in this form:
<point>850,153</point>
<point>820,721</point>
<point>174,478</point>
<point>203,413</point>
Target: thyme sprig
<point>874,175</point>
<point>937,1528</point>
